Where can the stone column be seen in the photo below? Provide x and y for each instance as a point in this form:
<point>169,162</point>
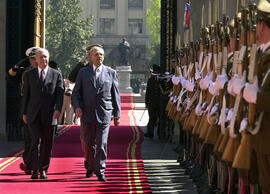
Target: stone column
<point>3,133</point>
<point>124,78</point>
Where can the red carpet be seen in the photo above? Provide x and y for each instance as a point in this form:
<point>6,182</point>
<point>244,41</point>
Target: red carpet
<point>125,171</point>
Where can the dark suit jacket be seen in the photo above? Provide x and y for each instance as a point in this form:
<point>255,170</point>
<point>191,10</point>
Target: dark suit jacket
<point>97,99</point>
<point>44,100</point>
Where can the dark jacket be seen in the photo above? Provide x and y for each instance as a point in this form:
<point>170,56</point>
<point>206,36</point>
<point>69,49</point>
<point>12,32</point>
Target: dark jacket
<point>44,99</point>
<point>152,95</point>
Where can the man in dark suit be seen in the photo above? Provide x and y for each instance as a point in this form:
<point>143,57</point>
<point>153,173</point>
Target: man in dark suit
<point>96,100</point>
<point>42,102</point>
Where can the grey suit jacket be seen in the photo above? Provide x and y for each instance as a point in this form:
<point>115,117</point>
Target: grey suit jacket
<point>98,99</point>
<point>44,100</point>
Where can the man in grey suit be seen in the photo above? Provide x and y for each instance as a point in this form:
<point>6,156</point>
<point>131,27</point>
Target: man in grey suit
<point>96,100</point>
<point>42,102</point>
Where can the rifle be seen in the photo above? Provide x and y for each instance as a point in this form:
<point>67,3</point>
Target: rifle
<point>243,154</point>
<point>253,66</point>
<point>234,140</point>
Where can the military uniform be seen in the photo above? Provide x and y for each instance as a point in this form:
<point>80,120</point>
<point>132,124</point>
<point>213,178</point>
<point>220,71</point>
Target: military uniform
<point>260,142</point>
<point>165,88</point>
<point>74,72</point>
<point>152,101</point>
<point>15,76</point>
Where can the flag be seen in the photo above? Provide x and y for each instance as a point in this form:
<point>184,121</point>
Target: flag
<point>187,16</point>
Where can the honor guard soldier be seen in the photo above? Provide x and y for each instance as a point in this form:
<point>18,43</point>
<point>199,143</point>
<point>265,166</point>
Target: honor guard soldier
<point>258,94</point>
<point>152,98</point>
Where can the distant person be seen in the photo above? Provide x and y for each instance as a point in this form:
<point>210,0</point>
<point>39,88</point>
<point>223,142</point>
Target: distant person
<point>152,100</point>
<point>67,108</point>
<point>73,74</point>
<point>136,85</point>
<point>96,100</point>
<point>42,102</point>
<point>15,76</point>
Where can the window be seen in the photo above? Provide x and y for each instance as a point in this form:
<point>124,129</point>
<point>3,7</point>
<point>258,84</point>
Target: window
<point>139,52</point>
<point>107,26</point>
<point>135,26</point>
<point>135,4</point>
<point>107,4</point>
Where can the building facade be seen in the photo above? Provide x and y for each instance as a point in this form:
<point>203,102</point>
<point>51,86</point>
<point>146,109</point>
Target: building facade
<point>118,19</point>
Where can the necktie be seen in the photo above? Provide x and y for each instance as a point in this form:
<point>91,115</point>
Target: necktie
<point>96,73</point>
<point>42,77</point>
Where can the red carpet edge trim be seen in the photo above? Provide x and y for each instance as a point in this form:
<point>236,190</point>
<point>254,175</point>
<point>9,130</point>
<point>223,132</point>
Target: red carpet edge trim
<point>132,168</point>
<point>13,157</point>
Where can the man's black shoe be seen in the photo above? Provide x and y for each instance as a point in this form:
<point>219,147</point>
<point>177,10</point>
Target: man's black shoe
<point>89,173</point>
<point>34,175</point>
<point>43,175</point>
<point>148,135</point>
<point>102,178</point>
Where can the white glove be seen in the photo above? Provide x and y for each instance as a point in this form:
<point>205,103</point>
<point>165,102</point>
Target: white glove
<point>177,80</point>
<point>207,108</point>
<point>212,88</point>
<point>230,87</point>
<point>250,91</point>
<point>198,109</point>
<point>243,125</point>
<point>239,83</point>
<point>183,82</point>
<point>229,117</point>
<point>225,119</point>
<point>190,86</point>
<point>174,99</point>
<point>220,81</point>
<point>204,83</point>
<point>214,109</point>
<point>197,75</point>
<point>219,120</point>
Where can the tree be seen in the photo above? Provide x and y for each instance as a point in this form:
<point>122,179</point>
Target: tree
<point>153,23</point>
<point>67,33</point>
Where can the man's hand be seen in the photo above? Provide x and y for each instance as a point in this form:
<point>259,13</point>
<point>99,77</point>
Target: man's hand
<point>56,114</point>
<point>85,57</point>
<point>25,119</point>
<point>116,121</point>
<point>78,112</point>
